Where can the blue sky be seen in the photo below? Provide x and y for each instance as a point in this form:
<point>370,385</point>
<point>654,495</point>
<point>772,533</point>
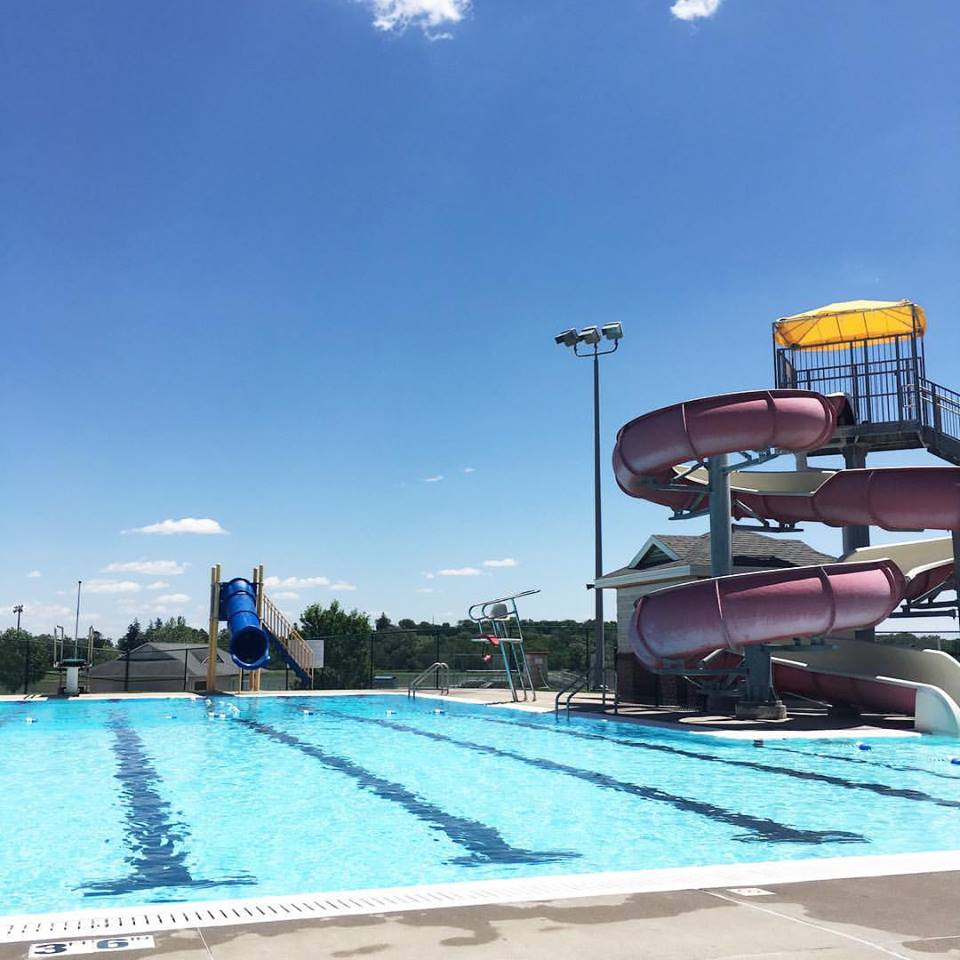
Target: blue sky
<point>277,265</point>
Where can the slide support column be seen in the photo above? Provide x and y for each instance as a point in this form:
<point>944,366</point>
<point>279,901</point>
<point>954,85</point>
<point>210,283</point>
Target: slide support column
<point>955,535</point>
<point>721,561</point>
<point>759,699</point>
<point>855,458</point>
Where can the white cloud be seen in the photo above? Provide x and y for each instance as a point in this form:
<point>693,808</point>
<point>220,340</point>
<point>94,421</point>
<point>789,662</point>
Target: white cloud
<point>285,595</point>
<point>166,568</point>
<point>694,9</point>
<point>185,525</point>
<point>294,582</point>
<point>427,574</point>
<point>424,590</point>
<point>435,479</point>
<point>110,586</point>
<point>469,469</point>
<point>33,574</point>
<point>157,585</point>
<point>459,572</point>
<point>428,15</point>
<point>173,598</point>
<point>340,585</point>
<point>505,562</point>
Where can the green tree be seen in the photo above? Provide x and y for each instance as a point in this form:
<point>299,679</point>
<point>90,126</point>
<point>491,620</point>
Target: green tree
<point>23,657</point>
<point>346,644</point>
<point>175,630</point>
<point>132,638</point>
<point>383,622</point>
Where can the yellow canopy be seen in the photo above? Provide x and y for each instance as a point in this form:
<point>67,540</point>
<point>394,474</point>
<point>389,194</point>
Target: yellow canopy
<point>839,323</point>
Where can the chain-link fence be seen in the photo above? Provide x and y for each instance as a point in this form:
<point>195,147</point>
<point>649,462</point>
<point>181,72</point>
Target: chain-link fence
<point>394,657</point>
<point>387,658</point>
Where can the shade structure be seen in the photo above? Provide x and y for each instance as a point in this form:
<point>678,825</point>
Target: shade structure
<point>837,324</point>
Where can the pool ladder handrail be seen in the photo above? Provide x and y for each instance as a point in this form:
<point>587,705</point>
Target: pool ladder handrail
<point>578,684</point>
<point>443,679</point>
<point>571,690</point>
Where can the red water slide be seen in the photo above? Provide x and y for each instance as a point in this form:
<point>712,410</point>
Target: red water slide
<point>689,621</point>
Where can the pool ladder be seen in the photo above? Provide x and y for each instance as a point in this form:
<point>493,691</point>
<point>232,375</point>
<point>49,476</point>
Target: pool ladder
<point>443,679</point>
<point>578,684</point>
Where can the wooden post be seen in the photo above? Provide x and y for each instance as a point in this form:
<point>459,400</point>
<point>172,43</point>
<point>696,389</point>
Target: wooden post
<point>254,683</point>
<point>214,628</point>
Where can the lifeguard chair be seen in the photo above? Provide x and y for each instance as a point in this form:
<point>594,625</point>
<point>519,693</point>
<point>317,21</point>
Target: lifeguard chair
<point>499,624</point>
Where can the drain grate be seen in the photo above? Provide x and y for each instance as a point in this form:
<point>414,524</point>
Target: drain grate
<point>739,877</point>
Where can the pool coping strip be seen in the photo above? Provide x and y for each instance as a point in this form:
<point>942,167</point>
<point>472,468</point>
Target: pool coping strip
<point>351,903</point>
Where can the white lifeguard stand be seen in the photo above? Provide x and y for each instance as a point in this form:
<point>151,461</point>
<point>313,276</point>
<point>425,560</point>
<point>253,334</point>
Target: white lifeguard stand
<point>499,624</point>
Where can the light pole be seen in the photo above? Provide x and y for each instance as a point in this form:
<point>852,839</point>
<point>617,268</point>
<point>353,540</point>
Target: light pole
<point>592,336</point>
<point>18,609</point>
<point>76,625</point>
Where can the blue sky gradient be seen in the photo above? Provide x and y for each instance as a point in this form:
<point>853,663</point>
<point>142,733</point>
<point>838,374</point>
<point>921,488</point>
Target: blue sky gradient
<point>274,265</point>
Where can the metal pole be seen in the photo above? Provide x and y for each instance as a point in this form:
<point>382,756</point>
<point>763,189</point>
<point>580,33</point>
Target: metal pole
<point>955,535</point>
<point>721,561</point>
<point>598,535</point>
<point>213,628</point>
<point>855,458</point>
<point>76,625</point>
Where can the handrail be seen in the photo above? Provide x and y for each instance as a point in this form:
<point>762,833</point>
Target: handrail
<point>476,618</point>
<point>287,634</point>
<point>443,679</point>
<point>574,687</point>
<point>935,392</point>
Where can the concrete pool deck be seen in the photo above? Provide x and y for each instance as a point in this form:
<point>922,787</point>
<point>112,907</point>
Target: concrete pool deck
<point>907,917</point>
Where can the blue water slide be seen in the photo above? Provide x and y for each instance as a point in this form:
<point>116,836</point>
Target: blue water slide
<point>249,642</point>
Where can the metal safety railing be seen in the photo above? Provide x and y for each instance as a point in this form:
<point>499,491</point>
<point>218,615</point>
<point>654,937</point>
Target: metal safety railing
<point>288,636</point>
<point>442,673</point>
<point>580,683</point>
<point>570,691</point>
<point>940,409</point>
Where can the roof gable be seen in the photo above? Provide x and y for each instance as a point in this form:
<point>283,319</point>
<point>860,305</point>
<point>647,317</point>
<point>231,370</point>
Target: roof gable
<point>653,553</point>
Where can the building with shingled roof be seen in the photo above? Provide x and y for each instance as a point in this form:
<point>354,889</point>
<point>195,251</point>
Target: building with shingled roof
<point>162,667</point>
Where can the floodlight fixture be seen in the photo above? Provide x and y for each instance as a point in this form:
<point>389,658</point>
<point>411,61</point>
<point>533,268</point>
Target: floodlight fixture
<point>589,335</point>
<point>612,331</point>
<point>568,338</point>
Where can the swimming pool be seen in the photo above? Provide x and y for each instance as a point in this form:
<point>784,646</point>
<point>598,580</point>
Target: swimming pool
<point>112,803</point>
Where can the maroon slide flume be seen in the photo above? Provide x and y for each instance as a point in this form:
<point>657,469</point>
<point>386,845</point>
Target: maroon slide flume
<point>689,621</point>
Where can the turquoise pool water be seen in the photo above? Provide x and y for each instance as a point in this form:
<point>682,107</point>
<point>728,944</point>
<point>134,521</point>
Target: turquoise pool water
<point>112,803</point>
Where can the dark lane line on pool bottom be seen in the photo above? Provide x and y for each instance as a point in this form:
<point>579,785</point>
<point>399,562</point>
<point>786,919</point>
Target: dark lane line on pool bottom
<point>159,844</point>
<point>899,767</point>
<point>882,789</point>
<point>761,828</point>
<point>485,844</point>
